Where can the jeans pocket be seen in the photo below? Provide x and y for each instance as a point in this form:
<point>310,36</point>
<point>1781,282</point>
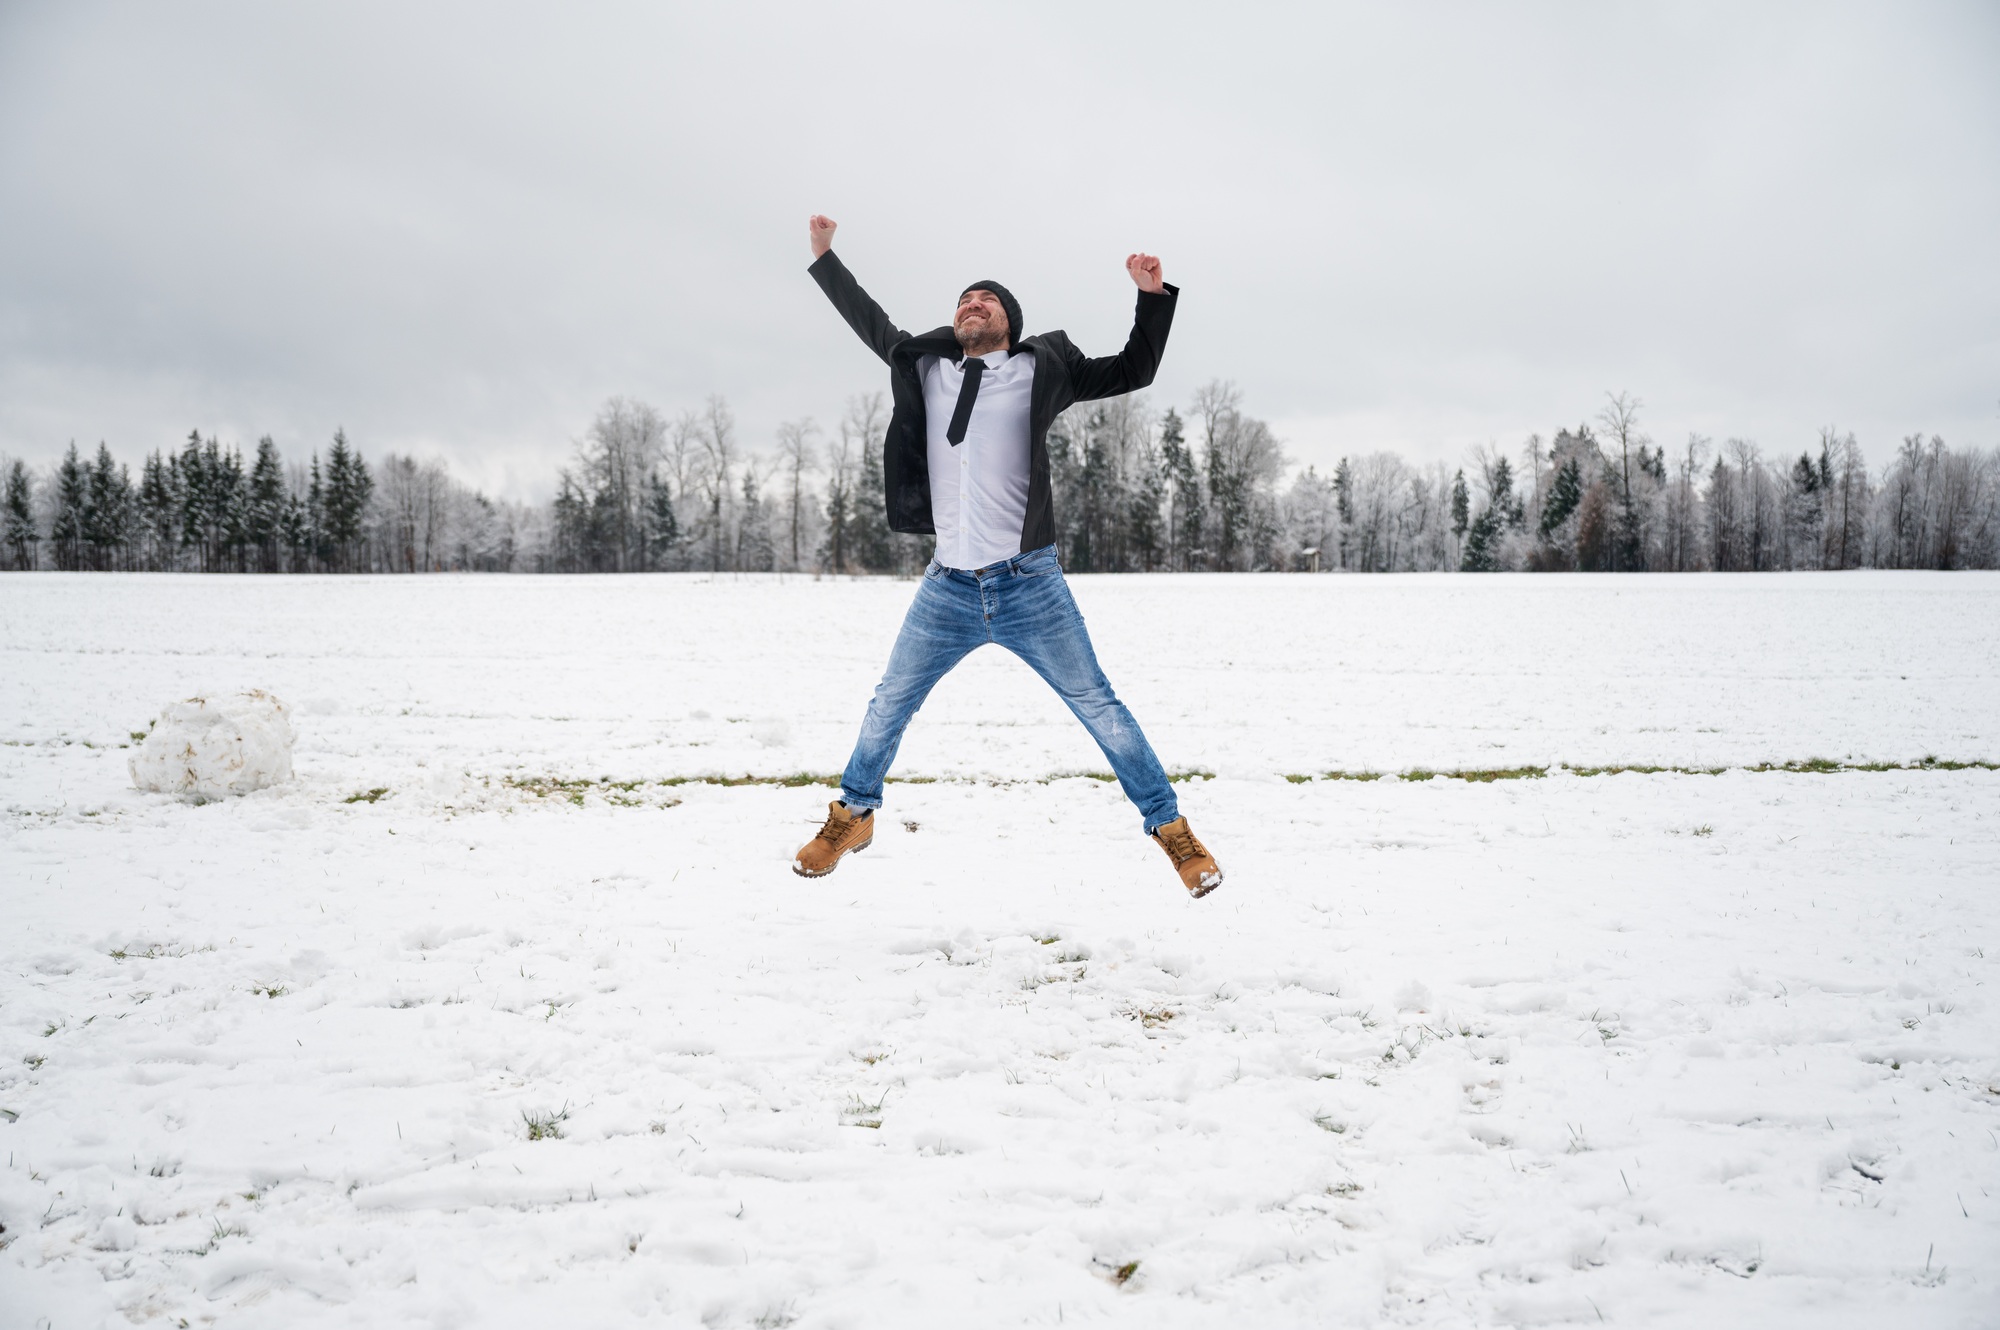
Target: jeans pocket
<point>933,571</point>
<point>1040,563</point>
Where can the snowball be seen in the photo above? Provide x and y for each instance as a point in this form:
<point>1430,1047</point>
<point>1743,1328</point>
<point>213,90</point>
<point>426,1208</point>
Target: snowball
<point>210,747</point>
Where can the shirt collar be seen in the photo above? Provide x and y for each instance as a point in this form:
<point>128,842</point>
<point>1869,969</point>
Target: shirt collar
<point>993,359</point>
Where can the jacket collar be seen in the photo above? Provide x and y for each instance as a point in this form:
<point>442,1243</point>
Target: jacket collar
<point>943,342</point>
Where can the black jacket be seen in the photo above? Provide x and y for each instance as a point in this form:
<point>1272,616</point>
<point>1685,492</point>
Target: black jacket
<point>1063,375</point>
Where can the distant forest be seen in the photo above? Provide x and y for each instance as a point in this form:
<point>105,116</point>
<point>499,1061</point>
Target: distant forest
<point>1136,490</point>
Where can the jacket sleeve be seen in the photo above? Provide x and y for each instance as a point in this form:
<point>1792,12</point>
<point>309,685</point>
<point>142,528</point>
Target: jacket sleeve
<point>863,315</point>
<point>1133,368</point>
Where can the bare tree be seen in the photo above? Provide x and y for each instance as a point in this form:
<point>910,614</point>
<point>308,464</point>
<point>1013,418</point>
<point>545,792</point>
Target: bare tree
<point>718,445</point>
<point>614,459</point>
<point>840,460</point>
<point>1683,508</point>
<point>795,459</point>
<point>1620,419</point>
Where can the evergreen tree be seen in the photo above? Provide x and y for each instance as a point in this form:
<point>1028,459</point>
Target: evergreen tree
<point>17,517</point>
<point>839,516</point>
<point>348,489</point>
<point>868,533</point>
<point>228,516</point>
<point>107,520</point>
<point>1461,505</point>
<point>1565,493</point>
<point>1183,487</point>
<point>1087,506</point>
<point>662,526</point>
<point>1482,541</point>
<point>1144,535</point>
<point>193,494</point>
<point>316,541</point>
<point>72,498</point>
<point>159,513</point>
<point>598,552</point>
<point>295,530</point>
<point>264,507</point>
<point>1500,493</point>
<point>756,551</point>
<point>571,520</point>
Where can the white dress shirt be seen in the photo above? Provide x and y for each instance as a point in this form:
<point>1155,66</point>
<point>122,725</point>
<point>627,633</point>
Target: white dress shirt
<point>979,489</point>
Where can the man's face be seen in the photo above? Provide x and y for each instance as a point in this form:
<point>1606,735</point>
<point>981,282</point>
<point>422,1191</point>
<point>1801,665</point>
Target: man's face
<point>980,321</point>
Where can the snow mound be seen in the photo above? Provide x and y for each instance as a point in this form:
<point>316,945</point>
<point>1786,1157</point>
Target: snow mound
<point>212,747</point>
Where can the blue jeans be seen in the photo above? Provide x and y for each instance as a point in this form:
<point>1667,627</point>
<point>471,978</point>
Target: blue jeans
<point>1025,606</point>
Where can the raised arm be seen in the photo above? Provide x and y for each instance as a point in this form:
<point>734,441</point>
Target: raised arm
<point>1134,367</point>
<point>863,315</point>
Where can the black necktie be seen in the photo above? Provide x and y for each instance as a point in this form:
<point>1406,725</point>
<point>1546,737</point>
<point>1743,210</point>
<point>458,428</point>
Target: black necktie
<point>961,415</point>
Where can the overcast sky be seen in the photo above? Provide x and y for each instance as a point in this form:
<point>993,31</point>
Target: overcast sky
<point>455,230</point>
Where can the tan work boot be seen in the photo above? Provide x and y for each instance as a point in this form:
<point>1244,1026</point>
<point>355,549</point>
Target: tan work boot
<point>847,831</point>
<point>1200,874</point>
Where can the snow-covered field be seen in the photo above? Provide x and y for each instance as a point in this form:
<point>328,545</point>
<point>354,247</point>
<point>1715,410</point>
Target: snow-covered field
<point>1651,1048</point>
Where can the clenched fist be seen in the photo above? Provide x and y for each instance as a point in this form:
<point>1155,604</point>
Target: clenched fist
<point>1143,268</point>
<point>820,230</point>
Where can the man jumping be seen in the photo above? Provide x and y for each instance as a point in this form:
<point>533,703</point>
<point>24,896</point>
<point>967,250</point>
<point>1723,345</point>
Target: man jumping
<point>967,459</point>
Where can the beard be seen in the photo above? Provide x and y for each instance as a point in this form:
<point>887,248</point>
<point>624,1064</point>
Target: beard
<point>979,338</point>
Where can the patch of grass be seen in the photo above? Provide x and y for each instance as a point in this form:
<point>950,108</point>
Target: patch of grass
<point>216,1236</point>
<point>797,780</point>
<point>860,1113</point>
<point>1704,830</point>
<point>543,1125</point>
<point>1155,1018</point>
<point>1641,769</point>
<point>153,951</point>
<point>1477,775</point>
<point>1810,766</point>
<point>1325,1123</point>
<point>34,1061</point>
<point>1181,775</point>
<point>367,796</point>
<point>1123,1274</point>
<point>271,990</point>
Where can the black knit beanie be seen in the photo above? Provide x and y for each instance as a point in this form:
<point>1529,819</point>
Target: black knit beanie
<point>1015,332</point>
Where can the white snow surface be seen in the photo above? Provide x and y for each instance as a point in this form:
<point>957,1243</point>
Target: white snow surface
<point>1639,1049</point>
<point>214,746</point>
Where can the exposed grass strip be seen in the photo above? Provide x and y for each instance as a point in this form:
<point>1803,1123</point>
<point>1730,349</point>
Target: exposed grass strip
<point>1806,766</point>
<point>633,793</point>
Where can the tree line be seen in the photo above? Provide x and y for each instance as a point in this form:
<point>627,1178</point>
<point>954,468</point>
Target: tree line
<point>1137,489</point>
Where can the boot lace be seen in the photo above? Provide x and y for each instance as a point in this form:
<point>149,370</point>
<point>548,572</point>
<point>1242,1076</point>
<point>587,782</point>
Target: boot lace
<point>836,827</point>
<point>1181,845</point>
